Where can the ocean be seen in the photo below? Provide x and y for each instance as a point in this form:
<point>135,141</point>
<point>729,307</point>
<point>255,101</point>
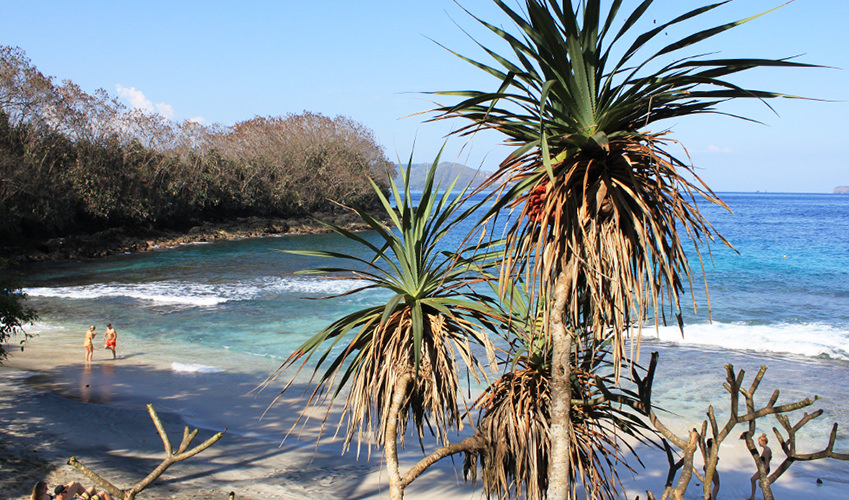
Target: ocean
<point>235,308</point>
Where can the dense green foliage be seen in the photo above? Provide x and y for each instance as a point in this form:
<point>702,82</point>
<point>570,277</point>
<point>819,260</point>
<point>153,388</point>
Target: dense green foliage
<point>13,313</point>
<point>74,162</point>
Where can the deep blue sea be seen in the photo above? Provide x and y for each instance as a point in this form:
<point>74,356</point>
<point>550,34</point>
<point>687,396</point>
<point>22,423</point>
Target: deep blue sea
<point>782,301</point>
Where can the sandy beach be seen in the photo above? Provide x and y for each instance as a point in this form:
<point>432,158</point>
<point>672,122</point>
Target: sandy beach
<point>52,408</point>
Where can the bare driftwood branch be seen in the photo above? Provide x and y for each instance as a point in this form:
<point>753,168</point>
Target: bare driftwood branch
<point>710,452</point>
<point>789,445</point>
<point>183,452</point>
<point>674,465</point>
<point>685,465</point>
<point>99,481</point>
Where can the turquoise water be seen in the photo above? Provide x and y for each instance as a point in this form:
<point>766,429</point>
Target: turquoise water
<point>786,292</point>
<point>782,301</point>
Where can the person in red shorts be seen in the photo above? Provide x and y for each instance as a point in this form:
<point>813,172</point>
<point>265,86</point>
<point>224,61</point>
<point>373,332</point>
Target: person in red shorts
<point>111,340</point>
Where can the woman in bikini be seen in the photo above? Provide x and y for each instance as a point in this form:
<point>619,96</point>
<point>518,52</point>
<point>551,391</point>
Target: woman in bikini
<point>111,340</point>
<point>766,457</point>
<point>89,343</point>
<point>70,491</point>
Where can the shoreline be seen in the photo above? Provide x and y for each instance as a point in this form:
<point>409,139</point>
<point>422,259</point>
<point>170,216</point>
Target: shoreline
<point>51,417</point>
<point>220,310</point>
<point>130,239</point>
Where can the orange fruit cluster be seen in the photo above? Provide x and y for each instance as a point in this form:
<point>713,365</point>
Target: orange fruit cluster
<point>536,202</point>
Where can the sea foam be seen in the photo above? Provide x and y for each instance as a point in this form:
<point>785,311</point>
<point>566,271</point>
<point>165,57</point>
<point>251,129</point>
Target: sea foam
<point>194,368</point>
<point>805,339</point>
<point>172,293</point>
<point>194,294</point>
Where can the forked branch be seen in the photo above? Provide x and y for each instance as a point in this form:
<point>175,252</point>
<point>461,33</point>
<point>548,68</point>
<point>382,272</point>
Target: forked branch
<point>183,452</point>
<point>789,445</point>
<point>710,447</point>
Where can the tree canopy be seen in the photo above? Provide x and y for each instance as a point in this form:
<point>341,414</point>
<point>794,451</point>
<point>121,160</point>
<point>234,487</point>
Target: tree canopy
<point>74,162</point>
<point>14,314</point>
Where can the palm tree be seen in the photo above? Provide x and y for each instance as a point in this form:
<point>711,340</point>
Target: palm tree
<point>397,360</point>
<point>603,206</point>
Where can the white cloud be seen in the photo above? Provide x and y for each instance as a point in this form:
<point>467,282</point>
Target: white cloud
<point>716,149</point>
<point>198,119</point>
<point>135,97</point>
<point>165,110</point>
<point>137,100</point>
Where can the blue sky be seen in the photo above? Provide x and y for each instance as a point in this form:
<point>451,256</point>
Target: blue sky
<point>371,61</point>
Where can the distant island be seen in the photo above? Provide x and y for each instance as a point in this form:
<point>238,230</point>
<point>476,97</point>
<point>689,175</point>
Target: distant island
<point>446,172</point>
<point>841,190</point>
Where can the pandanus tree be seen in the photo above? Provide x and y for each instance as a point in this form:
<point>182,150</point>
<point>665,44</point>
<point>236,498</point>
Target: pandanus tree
<point>513,422</point>
<point>396,362</point>
<point>602,206</point>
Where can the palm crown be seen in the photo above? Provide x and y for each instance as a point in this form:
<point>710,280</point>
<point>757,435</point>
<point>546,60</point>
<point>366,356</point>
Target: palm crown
<point>598,194</point>
<point>406,345</point>
<point>564,90</point>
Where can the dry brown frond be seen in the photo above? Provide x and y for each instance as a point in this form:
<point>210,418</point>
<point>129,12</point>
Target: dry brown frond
<point>611,223</point>
<point>515,424</point>
<point>435,387</point>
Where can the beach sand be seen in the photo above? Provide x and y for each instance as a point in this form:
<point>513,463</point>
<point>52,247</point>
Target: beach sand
<point>52,408</point>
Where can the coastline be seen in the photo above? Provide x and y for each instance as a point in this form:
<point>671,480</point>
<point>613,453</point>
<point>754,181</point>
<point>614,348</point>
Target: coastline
<point>206,307</point>
<point>130,239</point>
<point>52,408</point>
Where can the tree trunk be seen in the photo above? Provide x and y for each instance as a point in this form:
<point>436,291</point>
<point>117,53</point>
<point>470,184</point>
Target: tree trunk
<point>559,487</point>
<point>390,437</point>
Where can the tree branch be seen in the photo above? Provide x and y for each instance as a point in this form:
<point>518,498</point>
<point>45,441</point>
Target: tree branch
<point>170,459</point>
<point>734,385</point>
<point>98,480</point>
<point>471,443</point>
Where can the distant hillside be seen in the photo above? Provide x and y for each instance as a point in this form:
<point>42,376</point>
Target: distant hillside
<point>446,172</point>
<point>841,190</point>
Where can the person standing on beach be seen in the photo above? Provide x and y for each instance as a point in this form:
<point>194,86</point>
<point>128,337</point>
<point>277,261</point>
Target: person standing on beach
<point>111,340</point>
<point>766,456</point>
<point>89,343</point>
